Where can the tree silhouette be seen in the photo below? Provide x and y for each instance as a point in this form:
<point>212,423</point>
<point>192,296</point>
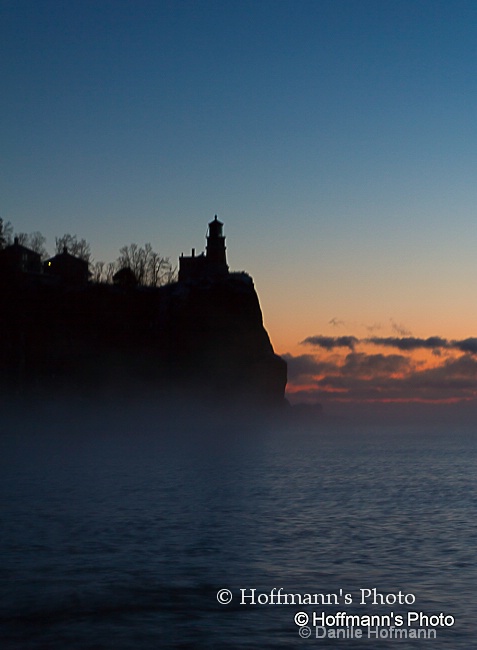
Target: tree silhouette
<point>6,233</point>
<point>109,272</point>
<point>77,247</point>
<point>97,272</point>
<point>35,241</point>
<point>149,268</point>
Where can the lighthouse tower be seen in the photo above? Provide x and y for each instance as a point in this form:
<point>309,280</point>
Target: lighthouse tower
<point>213,264</point>
<point>215,249</point>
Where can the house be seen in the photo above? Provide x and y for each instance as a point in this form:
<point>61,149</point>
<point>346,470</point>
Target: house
<point>212,264</point>
<point>68,268</point>
<point>18,258</point>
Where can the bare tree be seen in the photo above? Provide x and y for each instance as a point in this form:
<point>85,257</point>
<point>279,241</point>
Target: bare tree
<point>133,257</point>
<point>21,238</point>
<point>111,268</point>
<point>35,241</point>
<point>6,233</point>
<point>150,268</point>
<point>160,270</point>
<point>78,247</point>
<point>98,272</point>
<point>170,275</point>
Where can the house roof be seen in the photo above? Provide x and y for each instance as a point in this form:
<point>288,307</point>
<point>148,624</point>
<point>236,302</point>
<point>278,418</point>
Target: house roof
<point>19,248</point>
<point>65,256</point>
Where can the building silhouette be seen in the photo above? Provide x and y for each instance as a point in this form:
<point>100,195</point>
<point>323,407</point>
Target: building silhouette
<point>125,277</point>
<point>17,258</point>
<point>209,265</point>
<point>67,268</point>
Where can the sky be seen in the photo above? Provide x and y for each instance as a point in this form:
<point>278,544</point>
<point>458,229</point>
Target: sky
<point>335,139</point>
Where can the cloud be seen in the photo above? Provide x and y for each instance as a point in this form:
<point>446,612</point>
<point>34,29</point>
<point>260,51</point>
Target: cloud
<point>467,345</point>
<point>331,342</point>
<point>374,327</point>
<point>434,343</point>
<point>364,377</point>
<point>306,365</point>
<point>458,371</point>
<point>375,365</point>
<point>399,329</point>
<point>403,343</point>
<point>409,343</point>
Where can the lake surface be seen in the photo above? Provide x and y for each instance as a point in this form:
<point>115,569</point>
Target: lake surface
<point>117,533</point>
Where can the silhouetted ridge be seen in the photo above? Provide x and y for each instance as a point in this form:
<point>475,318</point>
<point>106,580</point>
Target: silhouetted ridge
<point>216,338</point>
<point>201,337</point>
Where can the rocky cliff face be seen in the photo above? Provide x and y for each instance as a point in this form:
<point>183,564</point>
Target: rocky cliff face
<point>203,340</point>
<point>216,339</point>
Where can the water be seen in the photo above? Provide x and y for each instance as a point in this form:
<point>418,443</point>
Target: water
<point>121,539</point>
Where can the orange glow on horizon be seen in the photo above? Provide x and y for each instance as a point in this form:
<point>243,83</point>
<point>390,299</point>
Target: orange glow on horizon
<point>370,374</point>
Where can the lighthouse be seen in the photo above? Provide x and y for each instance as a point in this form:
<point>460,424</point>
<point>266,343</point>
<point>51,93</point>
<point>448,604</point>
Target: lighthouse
<point>215,250</point>
<point>212,264</point>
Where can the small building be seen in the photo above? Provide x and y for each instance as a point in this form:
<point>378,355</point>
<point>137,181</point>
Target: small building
<point>68,268</point>
<point>18,258</point>
<point>213,263</point>
<point>125,277</point>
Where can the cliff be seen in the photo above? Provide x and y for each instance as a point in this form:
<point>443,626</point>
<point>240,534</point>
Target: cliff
<point>203,340</point>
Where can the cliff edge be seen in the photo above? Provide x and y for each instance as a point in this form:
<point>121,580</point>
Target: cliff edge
<point>203,340</point>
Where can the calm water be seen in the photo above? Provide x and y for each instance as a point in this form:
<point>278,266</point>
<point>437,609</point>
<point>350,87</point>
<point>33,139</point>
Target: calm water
<point>121,539</point>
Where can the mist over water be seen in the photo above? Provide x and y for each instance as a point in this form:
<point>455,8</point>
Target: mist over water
<point>121,524</point>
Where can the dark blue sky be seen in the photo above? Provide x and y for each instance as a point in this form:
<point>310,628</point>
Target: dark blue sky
<point>336,139</point>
